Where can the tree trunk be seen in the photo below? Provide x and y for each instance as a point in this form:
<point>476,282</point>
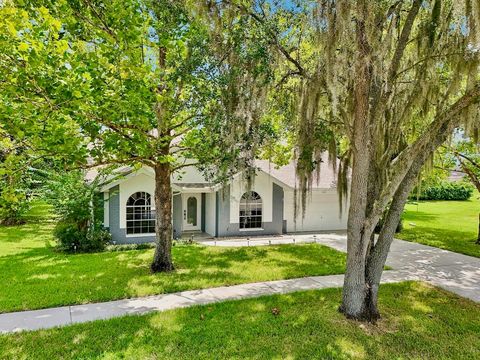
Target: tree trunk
<point>478,237</point>
<point>358,237</point>
<point>473,178</point>
<point>378,255</point>
<point>162,259</point>
<point>377,252</point>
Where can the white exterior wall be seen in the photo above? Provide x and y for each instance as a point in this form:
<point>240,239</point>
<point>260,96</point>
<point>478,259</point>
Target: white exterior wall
<point>322,212</point>
<point>263,185</point>
<point>189,174</point>
<point>106,209</point>
<point>210,213</point>
<point>140,182</point>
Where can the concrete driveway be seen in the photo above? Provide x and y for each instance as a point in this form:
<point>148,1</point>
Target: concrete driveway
<point>451,271</point>
<point>410,261</point>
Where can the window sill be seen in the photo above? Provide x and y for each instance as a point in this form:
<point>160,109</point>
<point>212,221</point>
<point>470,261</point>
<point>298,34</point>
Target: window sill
<point>251,229</point>
<point>140,235</point>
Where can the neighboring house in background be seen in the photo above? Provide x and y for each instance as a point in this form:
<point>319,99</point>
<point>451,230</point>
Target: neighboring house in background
<point>267,208</point>
<point>456,175</point>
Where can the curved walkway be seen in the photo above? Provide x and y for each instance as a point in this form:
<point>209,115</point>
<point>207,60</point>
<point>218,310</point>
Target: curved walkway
<point>410,261</point>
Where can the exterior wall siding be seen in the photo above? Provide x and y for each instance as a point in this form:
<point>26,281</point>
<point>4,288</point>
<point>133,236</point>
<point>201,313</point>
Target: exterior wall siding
<point>177,216</point>
<point>106,210</point>
<point>203,214</point>
<point>322,212</point>
<point>210,213</point>
<point>227,228</point>
<point>119,235</point>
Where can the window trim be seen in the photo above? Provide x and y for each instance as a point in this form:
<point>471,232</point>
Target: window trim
<point>251,229</point>
<point>145,211</point>
<point>249,200</point>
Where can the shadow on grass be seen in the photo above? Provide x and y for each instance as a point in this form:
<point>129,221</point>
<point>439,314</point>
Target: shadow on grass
<point>41,277</point>
<point>419,322</point>
<point>455,240</point>
<point>18,233</point>
<point>413,215</point>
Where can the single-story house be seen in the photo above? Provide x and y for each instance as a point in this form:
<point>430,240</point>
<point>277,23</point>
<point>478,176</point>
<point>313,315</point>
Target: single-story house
<point>267,207</point>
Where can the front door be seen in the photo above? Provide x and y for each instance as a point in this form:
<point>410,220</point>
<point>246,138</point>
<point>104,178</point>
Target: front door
<point>192,211</point>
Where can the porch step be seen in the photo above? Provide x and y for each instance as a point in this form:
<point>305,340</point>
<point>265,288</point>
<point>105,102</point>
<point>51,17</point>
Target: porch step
<point>197,235</point>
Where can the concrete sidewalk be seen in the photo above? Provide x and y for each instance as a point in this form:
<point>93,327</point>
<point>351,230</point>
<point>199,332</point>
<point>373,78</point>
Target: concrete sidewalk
<point>451,271</point>
<point>67,315</point>
<point>410,261</point>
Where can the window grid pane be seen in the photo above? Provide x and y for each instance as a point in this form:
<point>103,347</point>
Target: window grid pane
<point>250,211</point>
<point>140,216</point>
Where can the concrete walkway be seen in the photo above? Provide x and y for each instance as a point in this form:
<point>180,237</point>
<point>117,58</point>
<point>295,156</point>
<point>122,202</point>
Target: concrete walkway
<point>454,272</point>
<point>67,315</point>
<point>451,271</point>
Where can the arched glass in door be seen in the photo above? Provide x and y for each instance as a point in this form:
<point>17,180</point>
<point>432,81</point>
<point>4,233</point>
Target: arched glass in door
<point>192,211</point>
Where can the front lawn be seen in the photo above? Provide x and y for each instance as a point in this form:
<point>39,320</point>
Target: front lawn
<point>33,275</point>
<point>419,322</point>
<point>450,225</point>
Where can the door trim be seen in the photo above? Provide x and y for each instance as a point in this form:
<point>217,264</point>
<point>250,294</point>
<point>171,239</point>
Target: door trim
<point>186,225</point>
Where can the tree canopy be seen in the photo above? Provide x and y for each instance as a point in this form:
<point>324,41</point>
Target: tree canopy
<point>379,84</point>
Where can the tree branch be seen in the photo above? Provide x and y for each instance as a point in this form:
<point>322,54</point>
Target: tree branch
<point>403,40</point>
<point>470,160</point>
<point>428,142</point>
<point>126,161</point>
<point>178,167</point>
<point>105,26</point>
<point>274,37</point>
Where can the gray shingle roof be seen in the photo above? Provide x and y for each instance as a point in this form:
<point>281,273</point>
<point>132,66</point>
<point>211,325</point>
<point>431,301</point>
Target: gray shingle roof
<point>287,175</point>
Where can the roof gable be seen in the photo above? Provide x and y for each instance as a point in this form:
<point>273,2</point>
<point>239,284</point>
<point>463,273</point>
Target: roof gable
<point>192,178</point>
<point>287,175</point>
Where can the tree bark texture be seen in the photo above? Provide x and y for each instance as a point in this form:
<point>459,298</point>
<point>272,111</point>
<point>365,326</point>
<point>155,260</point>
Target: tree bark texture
<point>162,259</point>
<point>354,288</point>
<point>478,237</point>
<point>374,258</point>
<point>473,178</point>
<point>381,183</point>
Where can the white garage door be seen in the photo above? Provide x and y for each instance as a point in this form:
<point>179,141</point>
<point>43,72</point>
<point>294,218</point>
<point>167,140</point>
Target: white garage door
<point>322,213</point>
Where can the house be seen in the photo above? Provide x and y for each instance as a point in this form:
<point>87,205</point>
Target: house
<point>266,208</point>
<point>456,175</point>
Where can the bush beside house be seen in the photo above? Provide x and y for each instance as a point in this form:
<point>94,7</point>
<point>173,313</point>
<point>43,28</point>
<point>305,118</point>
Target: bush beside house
<point>79,209</point>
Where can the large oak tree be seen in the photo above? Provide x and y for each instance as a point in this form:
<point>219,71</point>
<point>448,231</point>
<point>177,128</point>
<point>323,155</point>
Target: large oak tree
<point>139,83</point>
<point>383,84</point>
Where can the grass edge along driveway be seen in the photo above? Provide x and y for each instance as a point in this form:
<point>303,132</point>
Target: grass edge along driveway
<point>419,322</point>
<point>34,275</point>
<point>449,225</point>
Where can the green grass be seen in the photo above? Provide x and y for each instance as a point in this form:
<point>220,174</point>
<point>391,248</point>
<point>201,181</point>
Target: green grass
<point>419,322</point>
<point>33,275</point>
<point>450,225</point>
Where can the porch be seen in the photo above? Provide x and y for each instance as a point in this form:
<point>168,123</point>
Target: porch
<point>194,212</point>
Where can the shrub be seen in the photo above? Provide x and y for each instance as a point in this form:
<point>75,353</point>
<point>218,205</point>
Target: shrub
<point>72,239</point>
<point>13,206</point>
<point>445,191</point>
<point>79,210</point>
<point>128,247</point>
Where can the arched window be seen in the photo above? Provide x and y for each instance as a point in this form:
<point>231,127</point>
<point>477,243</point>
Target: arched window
<point>250,211</point>
<point>140,216</point>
